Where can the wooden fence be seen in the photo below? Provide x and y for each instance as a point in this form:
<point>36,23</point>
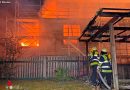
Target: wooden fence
<point>44,67</point>
<point>124,71</point>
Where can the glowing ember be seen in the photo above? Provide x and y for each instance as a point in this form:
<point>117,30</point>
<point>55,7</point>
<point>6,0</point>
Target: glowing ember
<point>24,44</point>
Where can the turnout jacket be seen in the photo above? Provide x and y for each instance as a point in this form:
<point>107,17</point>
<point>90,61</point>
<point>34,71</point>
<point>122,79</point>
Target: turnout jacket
<point>105,64</point>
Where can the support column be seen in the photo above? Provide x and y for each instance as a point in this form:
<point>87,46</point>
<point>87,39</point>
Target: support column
<point>88,64</point>
<point>113,55</point>
<point>87,49</point>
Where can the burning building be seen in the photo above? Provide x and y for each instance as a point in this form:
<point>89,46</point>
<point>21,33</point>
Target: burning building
<point>42,31</point>
<point>44,27</point>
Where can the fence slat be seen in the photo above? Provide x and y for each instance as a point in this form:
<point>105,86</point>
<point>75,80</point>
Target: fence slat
<point>44,67</point>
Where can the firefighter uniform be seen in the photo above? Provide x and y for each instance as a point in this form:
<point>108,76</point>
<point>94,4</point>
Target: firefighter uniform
<point>106,67</point>
<point>94,62</point>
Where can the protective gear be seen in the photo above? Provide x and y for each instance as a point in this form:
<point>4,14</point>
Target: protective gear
<point>104,50</point>
<point>105,64</point>
<point>94,49</point>
<point>93,77</point>
<point>102,79</point>
<point>109,56</point>
<point>94,62</point>
<point>106,68</point>
<point>93,52</point>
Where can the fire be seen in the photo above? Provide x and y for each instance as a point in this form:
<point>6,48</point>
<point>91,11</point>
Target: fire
<point>29,42</point>
<point>37,44</point>
<point>29,31</point>
<point>78,8</point>
<point>71,31</point>
<point>66,42</point>
<point>24,44</point>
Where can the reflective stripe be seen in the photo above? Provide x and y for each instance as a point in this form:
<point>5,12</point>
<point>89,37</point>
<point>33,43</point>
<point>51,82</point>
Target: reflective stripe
<point>106,71</point>
<point>100,62</point>
<point>94,63</point>
<point>105,67</point>
<point>104,62</point>
<point>95,60</point>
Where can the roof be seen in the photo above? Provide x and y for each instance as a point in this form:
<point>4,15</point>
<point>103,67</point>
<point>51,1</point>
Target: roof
<point>97,29</point>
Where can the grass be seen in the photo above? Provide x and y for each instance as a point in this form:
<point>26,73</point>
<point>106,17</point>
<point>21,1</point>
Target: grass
<point>46,85</point>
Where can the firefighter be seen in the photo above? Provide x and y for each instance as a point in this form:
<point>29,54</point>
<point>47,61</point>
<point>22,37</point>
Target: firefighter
<point>94,61</point>
<point>105,67</point>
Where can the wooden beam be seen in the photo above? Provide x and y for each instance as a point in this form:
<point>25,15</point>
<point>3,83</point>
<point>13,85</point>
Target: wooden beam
<point>121,9</point>
<point>114,14</point>
<point>125,38</point>
<point>116,36</point>
<point>108,40</point>
<point>113,55</point>
<point>102,29</point>
<point>121,32</point>
<point>117,14</point>
<point>106,28</point>
<point>90,23</point>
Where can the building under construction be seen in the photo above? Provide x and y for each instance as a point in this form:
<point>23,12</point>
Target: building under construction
<point>64,30</point>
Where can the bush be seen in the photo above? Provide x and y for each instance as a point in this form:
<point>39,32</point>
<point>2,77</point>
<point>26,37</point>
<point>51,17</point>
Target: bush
<point>61,74</point>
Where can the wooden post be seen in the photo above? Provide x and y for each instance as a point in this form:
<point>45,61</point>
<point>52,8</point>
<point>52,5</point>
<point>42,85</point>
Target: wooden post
<point>88,65</point>
<point>87,49</point>
<point>113,55</point>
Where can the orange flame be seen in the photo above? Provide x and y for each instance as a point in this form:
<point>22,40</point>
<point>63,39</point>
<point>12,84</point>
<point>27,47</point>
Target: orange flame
<point>29,31</point>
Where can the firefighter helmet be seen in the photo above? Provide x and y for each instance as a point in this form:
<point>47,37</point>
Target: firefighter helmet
<point>104,50</point>
<point>94,49</point>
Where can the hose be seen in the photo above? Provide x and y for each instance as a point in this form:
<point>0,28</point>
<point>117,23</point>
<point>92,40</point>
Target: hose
<point>108,87</point>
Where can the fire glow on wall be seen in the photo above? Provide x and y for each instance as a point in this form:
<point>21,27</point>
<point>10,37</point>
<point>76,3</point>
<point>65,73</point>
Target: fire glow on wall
<point>29,31</point>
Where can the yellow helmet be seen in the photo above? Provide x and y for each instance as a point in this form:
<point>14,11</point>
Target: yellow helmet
<point>104,50</point>
<point>94,48</point>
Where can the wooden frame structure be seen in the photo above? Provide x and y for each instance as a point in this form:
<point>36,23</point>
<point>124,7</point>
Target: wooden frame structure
<point>94,31</point>
<point>110,31</point>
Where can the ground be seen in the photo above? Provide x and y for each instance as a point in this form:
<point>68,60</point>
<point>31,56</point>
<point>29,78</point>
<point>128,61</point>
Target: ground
<point>45,85</point>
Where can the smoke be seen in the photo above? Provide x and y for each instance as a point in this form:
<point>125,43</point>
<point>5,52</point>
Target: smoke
<point>78,10</point>
<point>52,15</point>
<point>56,13</point>
<point>6,11</point>
<point>81,8</point>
